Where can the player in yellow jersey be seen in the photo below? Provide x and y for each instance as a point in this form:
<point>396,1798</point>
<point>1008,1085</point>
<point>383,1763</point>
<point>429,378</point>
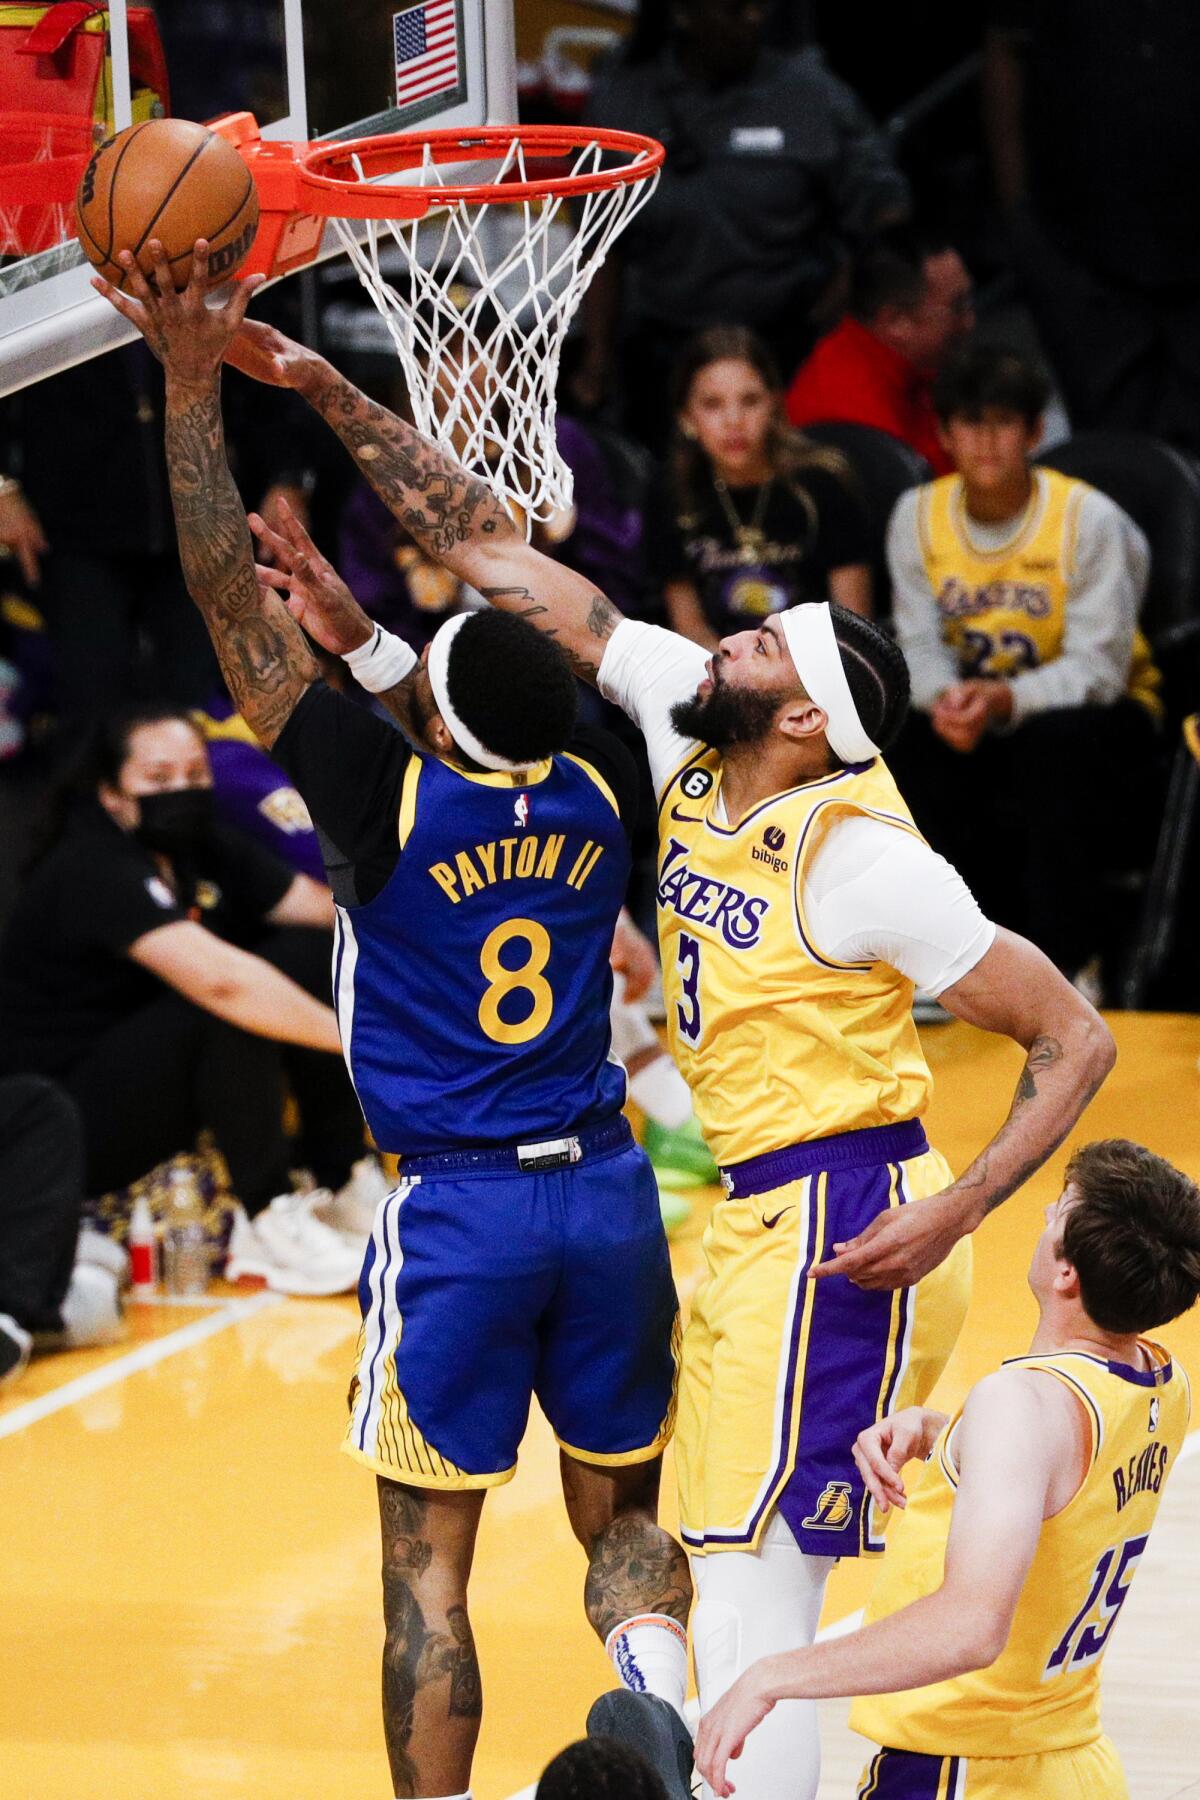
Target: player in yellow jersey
<point>799,905</point>
<point>978,1667</point>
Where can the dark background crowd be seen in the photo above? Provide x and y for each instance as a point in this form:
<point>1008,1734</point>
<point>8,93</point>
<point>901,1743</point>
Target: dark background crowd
<point>912,322</point>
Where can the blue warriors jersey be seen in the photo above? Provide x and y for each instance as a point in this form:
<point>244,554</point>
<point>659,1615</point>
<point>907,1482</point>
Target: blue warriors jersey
<point>473,991</point>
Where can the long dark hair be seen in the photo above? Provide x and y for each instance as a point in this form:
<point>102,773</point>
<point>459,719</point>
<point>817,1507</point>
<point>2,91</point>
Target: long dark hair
<point>788,451</point>
<point>97,761</point>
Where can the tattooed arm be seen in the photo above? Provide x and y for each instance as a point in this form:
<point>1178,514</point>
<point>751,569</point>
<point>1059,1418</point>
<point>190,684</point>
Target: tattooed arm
<point>264,658</point>
<point>318,598</point>
<point>1017,992</point>
<point>451,514</point>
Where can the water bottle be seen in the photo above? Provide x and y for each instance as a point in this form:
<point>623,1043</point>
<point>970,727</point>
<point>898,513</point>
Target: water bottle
<point>185,1247</point>
<point>143,1251</point>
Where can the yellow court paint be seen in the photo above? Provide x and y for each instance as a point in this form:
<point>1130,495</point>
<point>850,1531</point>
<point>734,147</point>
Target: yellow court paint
<point>190,1594</point>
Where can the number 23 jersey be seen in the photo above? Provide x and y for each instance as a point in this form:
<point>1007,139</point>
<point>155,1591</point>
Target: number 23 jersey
<point>474,923</point>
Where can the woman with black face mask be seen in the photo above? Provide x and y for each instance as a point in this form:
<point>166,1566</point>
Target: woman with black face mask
<point>172,975</point>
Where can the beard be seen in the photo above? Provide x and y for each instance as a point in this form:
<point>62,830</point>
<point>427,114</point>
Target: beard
<point>726,716</point>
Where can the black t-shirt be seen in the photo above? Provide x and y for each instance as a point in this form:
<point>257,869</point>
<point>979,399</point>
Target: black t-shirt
<point>810,524</point>
<point>65,974</point>
<point>348,766</point>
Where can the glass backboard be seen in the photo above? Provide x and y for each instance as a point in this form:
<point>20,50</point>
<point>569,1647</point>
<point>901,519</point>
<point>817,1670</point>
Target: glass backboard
<point>304,68</point>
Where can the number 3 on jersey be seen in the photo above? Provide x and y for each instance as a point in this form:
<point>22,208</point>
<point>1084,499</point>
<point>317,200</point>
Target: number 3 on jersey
<point>524,978</point>
<point>688,1009</point>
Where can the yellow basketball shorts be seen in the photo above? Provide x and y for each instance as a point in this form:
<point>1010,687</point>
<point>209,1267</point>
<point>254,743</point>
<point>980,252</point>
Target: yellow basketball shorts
<point>1085,1772</point>
<point>781,1373</point>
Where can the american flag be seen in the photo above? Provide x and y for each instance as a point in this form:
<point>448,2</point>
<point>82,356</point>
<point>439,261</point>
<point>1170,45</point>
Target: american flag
<point>426,39</point>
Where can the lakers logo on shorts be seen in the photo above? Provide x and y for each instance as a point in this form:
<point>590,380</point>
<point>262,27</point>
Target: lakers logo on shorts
<point>833,1511</point>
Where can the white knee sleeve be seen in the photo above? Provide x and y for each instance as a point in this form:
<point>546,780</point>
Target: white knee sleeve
<point>753,1604</point>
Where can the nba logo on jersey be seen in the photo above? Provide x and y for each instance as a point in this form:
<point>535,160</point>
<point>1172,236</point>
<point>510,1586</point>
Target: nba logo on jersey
<point>833,1511</point>
<point>521,811</point>
<point>1155,1406</point>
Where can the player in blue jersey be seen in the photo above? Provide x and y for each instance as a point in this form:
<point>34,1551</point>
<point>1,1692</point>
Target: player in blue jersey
<point>478,867</point>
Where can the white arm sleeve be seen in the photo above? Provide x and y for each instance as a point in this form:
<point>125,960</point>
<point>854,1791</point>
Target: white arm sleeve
<point>932,666</point>
<point>1108,584</point>
<point>874,893</point>
<point>646,671</point>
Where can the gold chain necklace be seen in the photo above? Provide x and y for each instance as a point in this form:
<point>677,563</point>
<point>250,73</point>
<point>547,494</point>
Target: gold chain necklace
<point>750,538</point>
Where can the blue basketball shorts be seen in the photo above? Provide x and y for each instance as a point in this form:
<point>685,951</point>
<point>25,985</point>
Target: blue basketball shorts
<point>485,1283</point>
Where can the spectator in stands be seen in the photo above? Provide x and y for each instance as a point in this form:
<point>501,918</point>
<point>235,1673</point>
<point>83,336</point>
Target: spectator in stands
<point>751,518</point>
<point>162,969</point>
<point>1030,748</point>
<point>773,169</point>
<point>910,306</point>
<point>57,1283</point>
<point>253,794</point>
<point>1094,133</point>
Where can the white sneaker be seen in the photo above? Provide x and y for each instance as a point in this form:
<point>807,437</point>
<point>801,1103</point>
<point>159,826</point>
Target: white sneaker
<point>91,1310</point>
<point>289,1248</point>
<point>351,1211</point>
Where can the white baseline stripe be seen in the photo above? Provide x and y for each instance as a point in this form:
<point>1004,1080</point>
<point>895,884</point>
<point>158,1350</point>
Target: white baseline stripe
<point>145,1357</point>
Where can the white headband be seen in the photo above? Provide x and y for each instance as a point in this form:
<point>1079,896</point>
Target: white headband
<point>808,632</point>
<point>437,663</point>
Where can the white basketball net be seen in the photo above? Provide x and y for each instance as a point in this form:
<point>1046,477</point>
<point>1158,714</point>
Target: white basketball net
<point>486,294</point>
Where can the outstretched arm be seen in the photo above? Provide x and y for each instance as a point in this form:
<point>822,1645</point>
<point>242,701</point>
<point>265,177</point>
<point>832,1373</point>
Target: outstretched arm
<point>264,658</point>
<point>1009,1447</point>
<point>1016,991</point>
<point>453,515</point>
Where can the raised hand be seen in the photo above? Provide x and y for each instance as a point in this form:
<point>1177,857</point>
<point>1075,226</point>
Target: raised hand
<point>188,336</point>
<point>311,588</point>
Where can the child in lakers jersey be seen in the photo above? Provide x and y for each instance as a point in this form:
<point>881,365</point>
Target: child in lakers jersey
<point>1016,598</point>
<point>978,1666</point>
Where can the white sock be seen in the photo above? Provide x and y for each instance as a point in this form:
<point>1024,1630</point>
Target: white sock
<point>649,1653</point>
<point>752,1604</point>
<point>662,1093</point>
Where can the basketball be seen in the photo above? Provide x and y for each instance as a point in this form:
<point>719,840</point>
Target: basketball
<point>172,180</point>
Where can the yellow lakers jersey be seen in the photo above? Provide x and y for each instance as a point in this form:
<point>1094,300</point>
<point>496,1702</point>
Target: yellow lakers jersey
<point>778,1043</point>
<point>1043,1691</point>
<point>1003,612</point>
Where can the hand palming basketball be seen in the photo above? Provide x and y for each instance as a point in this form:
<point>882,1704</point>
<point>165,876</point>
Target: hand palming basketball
<point>188,336</point>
